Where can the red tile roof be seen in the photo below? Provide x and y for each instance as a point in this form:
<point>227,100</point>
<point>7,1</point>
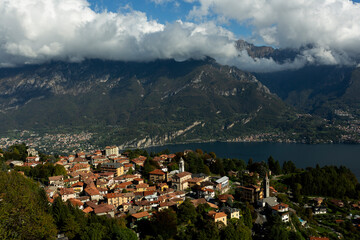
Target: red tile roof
<point>157,172</point>
<point>183,174</point>
<point>66,191</point>
<point>88,209</point>
<point>104,208</point>
<point>319,238</point>
<point>140,215</point>
<point>217,215</point>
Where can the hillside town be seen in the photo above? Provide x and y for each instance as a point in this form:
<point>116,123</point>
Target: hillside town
<point>121,185</point>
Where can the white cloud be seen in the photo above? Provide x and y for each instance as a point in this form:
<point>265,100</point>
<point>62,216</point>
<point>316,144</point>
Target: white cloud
<point>159,2</point>
<point>35,31</point>
<point>330,24</point>
<point>38,30</point>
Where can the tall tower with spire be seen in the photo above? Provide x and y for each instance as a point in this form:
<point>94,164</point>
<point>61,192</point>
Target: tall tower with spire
<point>266,186</point>
<point>182,165</point>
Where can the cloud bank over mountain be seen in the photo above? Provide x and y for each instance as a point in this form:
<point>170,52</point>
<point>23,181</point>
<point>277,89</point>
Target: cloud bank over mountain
<point>331,26</point>
<point>35,31</point>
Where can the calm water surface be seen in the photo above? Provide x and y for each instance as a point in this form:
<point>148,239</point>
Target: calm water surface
<point>303,155</point>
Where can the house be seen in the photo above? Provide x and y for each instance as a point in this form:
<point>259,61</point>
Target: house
<point>113,150</point>
<point>218,217</point>
<point>33,159</point>
<point>80,155</point>
<point>178,201</point>
<point>150,196</point>
<point>67,193</point>
<point>224,198</point>
<point>195,181</point>
<point>88,210</point>
<point>222,184</point>
<point>138,162</point>
<point>77,203</point>
<point>319,210</point>
<point>78,187</point>
<point>157,175</point>
<point>318,201</point>
<point>179,181</point>
<point>14,163</point>
<point>337,203</point>
<point>56,181</point>
<point>138,181</point>
<point>117,199</point>
<point>138,216</point>
<point>96,160</point>
<point>269,201</point>
<point>122,186</point>
<point>105,209</point>
<point>32,152</point>
<point>250,193</point>
<point>319,238</point>
<point>92,192</point>
<point>282,209</point>
<point>162,186</point>
<point>165,205</point>
<point>80,160</point>
<point>80,167</point>
<point>197,202</point>
<point>141,187</point>
<point>115,167</point>
<point>231,212</point>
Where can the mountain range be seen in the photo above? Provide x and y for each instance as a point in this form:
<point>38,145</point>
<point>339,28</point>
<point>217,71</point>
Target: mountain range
<point>136,104</point>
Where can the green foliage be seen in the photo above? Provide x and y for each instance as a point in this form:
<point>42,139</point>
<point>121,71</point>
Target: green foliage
<point>148,167</point>
<point>165,224</point>
<point>16,152</point>
<point>76,225</point>
<point>260,167</point>
<point>43,172</point>
<point>23,209</point>
<point>218,167</point>
<point>247,217</point>
<point>186,212</point>
<point>329,181</point>
<point>236,230</point>
<point>274,166</point>
<point>289,167</point>
<point>278,229</point>
<point>136,153</point>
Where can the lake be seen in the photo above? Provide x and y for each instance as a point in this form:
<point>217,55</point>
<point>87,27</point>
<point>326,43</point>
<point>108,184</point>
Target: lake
<point>303,155</point>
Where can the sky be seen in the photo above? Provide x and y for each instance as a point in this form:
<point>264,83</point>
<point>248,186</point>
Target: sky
<point>36,31</point>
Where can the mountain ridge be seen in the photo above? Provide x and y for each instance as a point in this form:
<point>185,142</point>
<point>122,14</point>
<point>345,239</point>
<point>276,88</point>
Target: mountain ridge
<point>142,104</point>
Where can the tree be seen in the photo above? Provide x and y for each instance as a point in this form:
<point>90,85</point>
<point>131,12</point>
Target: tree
<point>247,217</point>
<point>23,209</point>
<point>218,167</point>
<point>297,192</point>
<point>236,230</point>
<point>278,229</point>
<point>59,170</point>
<point>186,212</point>
<point>123,234</point>
<point>212,154</point>
<point>147,168</point>
<point>289,167</point>
<point>274,166</point>
<point>165,223</point>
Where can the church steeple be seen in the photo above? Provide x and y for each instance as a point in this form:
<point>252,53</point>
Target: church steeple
<point>182,165</point>
<point>266,186</point>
